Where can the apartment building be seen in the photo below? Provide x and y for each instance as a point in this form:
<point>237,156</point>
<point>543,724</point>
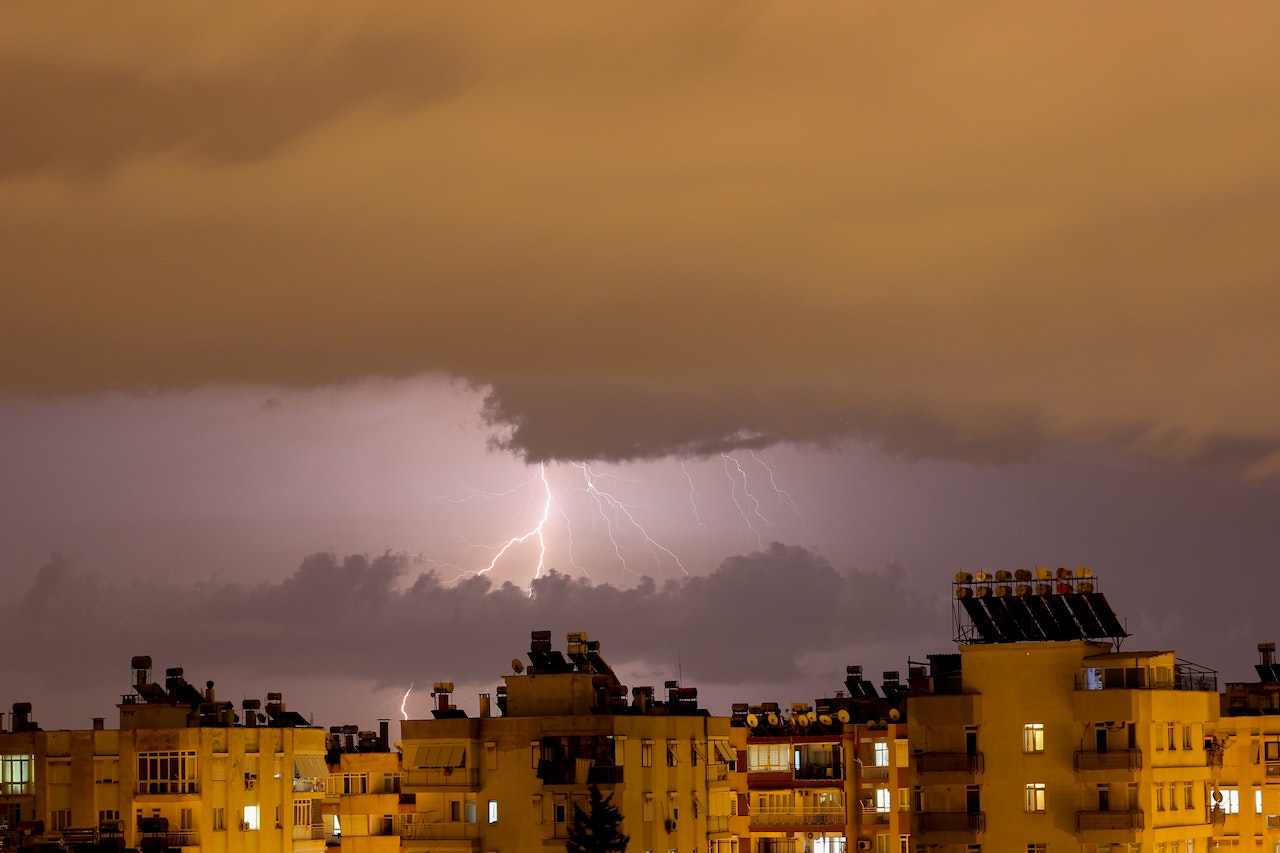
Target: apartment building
<point>1041,735</point>
<point>828,777</point>
<point>1246,770</point>
<point>512,782</point>
<point>180,772</point>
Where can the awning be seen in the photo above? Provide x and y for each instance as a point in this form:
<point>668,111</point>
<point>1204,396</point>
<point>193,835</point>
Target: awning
<point>722,749</point>
<point>310,767</point>
<point>673,757</point>
<point>439,756</point>
<point>699,750</point>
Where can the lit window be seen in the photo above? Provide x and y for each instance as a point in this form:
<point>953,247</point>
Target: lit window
<point>493,811</point>
<point>1230,801</point>
<point>1035,797</point>
<point>250,818</point>
<point>1033,737</point>
<point>881,754</point>
<point>884,800</point>
<point>1257,801</point>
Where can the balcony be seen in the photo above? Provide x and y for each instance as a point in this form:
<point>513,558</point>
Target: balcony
<point>1115,759</point>
<point>571,771</point>
<point>718,823</point>
<point>1273,821</point>
<point>954,827</point>
<point>442,777</point>
<point>1112,819</point>
<point>761,819</point>
<point>1218,817</point>
<point>1273,771</point>
<point>819,772</point>
<point>949,762</point>
<point>314,832</point>
<point>440,830</point>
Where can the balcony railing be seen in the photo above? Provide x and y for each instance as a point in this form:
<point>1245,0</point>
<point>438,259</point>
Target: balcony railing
<point>1273,821</point>
<point>1273,770</point>
<point>1217,817</point>
<point>1115,759</point>
<point>442,777</point>
<point>783,817</point>
<point>949,762</point>
<point>442,829</point>
<point>964,822</point>
<point>718,823</point>
<point>309,833</point>
<point>1112,819</point>
<point>819,772</point>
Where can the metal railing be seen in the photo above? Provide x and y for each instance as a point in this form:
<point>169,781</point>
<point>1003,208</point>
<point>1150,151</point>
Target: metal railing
<point>1111,819</point>
<point>314,832</point>
<point>949,762</point>
<point>442,829</point>
<point>819,771</point>
<point>793,817</point>
<point>951,821</point>
<point>1114,759</point>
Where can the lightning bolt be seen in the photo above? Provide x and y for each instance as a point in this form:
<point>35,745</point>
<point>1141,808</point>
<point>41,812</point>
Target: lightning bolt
<point>782,494</point>
<point>740,481</point>
<point>692,494</point>
<point>405,699</point>
<point>536,532</point>
<point>610,510</point>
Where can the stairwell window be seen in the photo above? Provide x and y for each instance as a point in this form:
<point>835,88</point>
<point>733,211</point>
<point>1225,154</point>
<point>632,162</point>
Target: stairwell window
<point>1035,797</point>
<point>1033,737</point>
<point>646,753</point>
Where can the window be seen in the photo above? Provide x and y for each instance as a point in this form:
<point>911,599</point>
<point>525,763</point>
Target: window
<point>535,751</point>
<point>673,805</point>
<point>1188,795</point>
<point>1272,750</point>
<point>902,750</point>
<point>105,815</point>
<point>769,757</point>
<point>250,818</point>
<point>560,809</point>
<point>648,807</point>
<point>15,775</point>
<point>904,844</point>
<point>881,754</point>
<point>646,753</point>
<point>673,758</point>
<point>1159,796</point>
<point>904,799</point>
<point>884,800</point>
<point>167,773</point>
<point>493,811</point>
<point>1230,800</point>
<point>60,819</point>
<point>1169,735</point>
<point>536,809</point>
<point>1186,737</point>
<point>1257,801</point>
<point>1033,737</point>
<point>302,812</point>
<point>219,819</point>
<point>1034,797</point>
<point>106,770</point>
<point>1037,848</point>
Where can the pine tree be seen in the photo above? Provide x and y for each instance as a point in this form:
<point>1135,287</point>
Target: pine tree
<point>598,830</point>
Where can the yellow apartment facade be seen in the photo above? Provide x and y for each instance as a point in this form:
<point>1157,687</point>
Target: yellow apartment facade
<point>1029,740</point>
<point>512,782</point>
<point>178,773</point>
<point>1246,777</point>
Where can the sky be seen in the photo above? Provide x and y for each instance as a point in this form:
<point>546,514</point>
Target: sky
<point>768,317</point>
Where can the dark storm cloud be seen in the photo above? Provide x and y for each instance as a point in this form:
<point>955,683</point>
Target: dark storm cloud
<point>373,619</point>
<point>962,232</point>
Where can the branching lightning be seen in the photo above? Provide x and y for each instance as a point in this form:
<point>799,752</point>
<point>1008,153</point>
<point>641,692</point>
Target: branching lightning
<point>559,494</point>
<point>612,511</point>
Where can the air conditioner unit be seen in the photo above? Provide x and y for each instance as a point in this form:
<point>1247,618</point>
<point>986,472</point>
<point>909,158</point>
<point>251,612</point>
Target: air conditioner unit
<point>864,843</point>
<point>670,825</point>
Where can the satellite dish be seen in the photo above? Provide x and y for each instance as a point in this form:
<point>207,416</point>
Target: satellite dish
<point>516,666</point>
<point>1217,796</point>
<point>895,714</point>
<point>773,719</point>
<point>752,721</point>
<point>842,715</point>
<point>981,577</point>
<point>825,719</point>
<point>801,720</point>
<point>813,716</point>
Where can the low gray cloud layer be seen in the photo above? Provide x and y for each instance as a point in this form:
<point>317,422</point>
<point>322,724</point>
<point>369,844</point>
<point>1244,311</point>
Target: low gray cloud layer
<point>378,620</point>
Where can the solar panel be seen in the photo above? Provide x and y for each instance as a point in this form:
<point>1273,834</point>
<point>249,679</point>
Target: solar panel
<point>1005,622</point>
<point>1022,615</point>
<point>1111,626</point>
<point>1084,615</point>
<point>981,621</point>
<point>1067,628</point>
<point>1044,618</point>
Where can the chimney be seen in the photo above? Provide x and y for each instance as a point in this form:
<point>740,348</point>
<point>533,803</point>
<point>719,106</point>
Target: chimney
<point>21,716</point>
<point>484,705</point>
<point>99,723</point>
<point>384,734</point>
<point>1268,652</point>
